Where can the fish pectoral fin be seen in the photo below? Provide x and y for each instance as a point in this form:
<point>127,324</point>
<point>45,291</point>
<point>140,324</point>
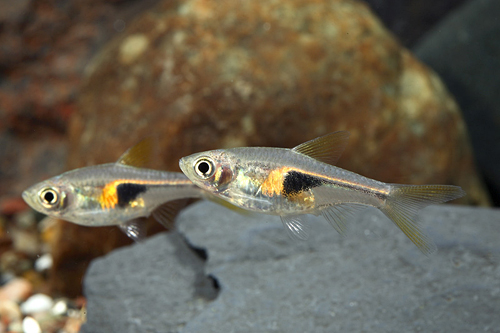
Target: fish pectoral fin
<point>327,148</point>
<point>166,213</point>
<point>295,226</point>
<point>239,195</point>
<point>228,205</point>
<point>135,229</point>
<point>339,215</point>
<point>139,155</point>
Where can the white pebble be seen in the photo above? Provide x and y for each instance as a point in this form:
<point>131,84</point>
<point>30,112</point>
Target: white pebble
<point>60,308</point>
<point>37,303</point>
<point>30,325</point>
<point>43,263</point>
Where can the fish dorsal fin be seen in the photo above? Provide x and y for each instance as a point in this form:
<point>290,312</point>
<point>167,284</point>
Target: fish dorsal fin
<point>326,148</point>
<point>138,155</point>
<point>166,213</point>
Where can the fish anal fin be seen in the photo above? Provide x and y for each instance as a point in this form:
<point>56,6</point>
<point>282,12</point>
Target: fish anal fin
<point>403,203</point>
<point>139,155</point>
<point>327,148</point>
<point>166,213</point>
<point>135,229</point>
<point>295,226</point>
<point>339,215</point>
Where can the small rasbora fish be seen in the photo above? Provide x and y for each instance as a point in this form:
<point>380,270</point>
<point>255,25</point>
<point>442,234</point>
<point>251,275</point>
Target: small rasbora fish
<point>303,180</point>
<point>115,193</point>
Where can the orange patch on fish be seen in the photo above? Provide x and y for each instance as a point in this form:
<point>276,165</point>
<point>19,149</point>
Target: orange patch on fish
<point>109,196</point>
<point>273,184</point>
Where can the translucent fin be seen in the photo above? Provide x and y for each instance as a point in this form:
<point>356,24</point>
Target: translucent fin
<point>138,155</point>
<point>405,201</point>
<point>295,226</point>
<point>327,148</point>
<point>339,215</point>
<point>135,229</point>
<point>238,195</point>
<point>228,205</point>
<point>166,213</point>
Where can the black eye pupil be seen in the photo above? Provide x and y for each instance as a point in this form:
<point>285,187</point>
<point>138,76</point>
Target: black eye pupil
<point>203,167</point>
<point>49,197</point>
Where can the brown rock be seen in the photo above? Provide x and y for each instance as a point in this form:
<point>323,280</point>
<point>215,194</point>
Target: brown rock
<point>210,74</point>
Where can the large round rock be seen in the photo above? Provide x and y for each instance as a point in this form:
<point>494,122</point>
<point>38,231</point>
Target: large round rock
<point>212,74</point>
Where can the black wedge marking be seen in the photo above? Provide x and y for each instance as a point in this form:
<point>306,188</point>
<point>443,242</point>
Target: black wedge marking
<point>128,192</point>
<point>296,182</point>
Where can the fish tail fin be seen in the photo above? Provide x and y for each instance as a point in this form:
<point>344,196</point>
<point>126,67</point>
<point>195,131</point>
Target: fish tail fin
<point>403,203</point>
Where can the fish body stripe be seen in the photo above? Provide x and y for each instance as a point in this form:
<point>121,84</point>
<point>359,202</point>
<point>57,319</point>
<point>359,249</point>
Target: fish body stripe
<point>123,191</point>
<point>128,192</point>
<point>291,182</point>
<point>296,182</point>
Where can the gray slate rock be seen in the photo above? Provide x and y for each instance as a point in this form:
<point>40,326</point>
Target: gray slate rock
<point>464,49</point>
<point>373,280</point>
<point>154,286</point>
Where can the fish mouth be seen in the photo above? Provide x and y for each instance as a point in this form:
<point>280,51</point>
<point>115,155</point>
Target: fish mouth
<point>27,197</point>
<point>183,166</point>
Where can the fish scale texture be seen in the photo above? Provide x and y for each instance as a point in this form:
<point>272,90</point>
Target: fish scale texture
<point>374,279</point>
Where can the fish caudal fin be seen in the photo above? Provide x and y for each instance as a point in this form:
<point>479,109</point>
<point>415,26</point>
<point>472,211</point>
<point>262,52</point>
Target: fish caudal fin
<point>403,203</point>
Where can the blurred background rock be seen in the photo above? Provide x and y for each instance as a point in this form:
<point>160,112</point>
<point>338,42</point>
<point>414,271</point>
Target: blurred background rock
<point>82,81</point>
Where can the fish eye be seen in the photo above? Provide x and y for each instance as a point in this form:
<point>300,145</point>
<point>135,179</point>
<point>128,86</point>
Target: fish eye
<point>49,197</point>
<point>204,168</point>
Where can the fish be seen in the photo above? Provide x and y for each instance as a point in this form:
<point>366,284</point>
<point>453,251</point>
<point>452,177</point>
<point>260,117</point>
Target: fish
<point>117,193</point>
<point>292,183</point>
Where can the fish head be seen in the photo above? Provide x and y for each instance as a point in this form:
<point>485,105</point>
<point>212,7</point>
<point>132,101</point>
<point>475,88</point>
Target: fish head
<point>212,170</point>
<point>51,197</point>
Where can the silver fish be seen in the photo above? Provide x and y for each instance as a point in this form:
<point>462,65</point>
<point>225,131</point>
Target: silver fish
<point>304,180</point>
<point>114,194</point>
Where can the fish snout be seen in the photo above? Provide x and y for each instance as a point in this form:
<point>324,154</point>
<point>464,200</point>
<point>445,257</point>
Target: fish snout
<point>28,197</point>
<point>183,164</point>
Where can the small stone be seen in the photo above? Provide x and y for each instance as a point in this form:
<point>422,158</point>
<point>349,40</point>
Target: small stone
<point>132,47</point>
<point>16,327</point>
<point>25,241</point>
<point>37,303</point>
<point>25,219</point>
<point>60,308</point>
<point>9,312</point>
<point>44,262</point>
<point>73,325</point>
<point>30,325</point>
<point>16,290</point>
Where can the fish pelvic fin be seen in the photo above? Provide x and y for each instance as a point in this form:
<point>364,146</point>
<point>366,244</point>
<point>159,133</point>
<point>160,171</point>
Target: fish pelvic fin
<point>135,229</point>
<point>403,203</point>
<point>295,226</point>
<point>139,155</point>
<point>327,148</point>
